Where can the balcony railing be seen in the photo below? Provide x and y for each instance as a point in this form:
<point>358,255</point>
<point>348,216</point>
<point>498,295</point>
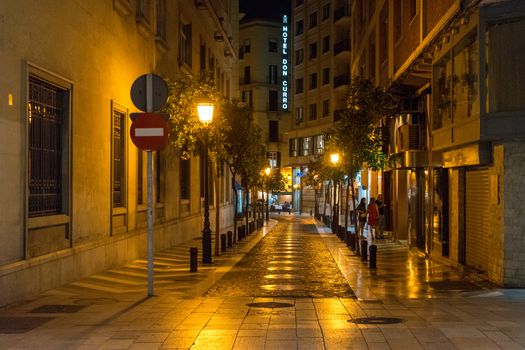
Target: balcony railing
<point>341,46</point>
<point>343,79</point>
<point>244,80</point>
<point>341,12</point>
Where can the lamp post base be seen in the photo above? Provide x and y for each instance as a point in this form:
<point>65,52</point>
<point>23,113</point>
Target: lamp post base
<point>206,246</point>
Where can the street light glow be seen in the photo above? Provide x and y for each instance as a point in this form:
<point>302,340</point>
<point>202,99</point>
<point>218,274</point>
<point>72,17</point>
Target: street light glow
<point>267,171</point>
<point>205,110</point>
<point>334,158</point>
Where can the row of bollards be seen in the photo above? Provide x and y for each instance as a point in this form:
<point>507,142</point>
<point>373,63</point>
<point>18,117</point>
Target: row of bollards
<point>366,253</point>
<point>226,240</point>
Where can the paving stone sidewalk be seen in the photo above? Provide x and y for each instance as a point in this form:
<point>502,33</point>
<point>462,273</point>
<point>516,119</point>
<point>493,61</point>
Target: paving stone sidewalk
<point>408,302</point>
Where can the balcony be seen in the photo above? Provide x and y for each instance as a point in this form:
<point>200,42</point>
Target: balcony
<point>341,80</point>
<point>342,46</point>
<point>341,13</point>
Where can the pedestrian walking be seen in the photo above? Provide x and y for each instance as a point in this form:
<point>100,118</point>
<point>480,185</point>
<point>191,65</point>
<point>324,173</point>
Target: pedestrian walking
<point>361,216</point>
<point>373,217</point>
<point>381,219</point>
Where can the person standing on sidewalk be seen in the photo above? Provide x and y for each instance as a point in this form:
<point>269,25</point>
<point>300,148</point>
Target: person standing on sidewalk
<point>381,218</point>
<point>361,216</point>
<point>373,217</point>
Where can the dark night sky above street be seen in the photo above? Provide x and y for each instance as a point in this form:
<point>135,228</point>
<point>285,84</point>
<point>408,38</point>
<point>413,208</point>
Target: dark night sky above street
<point>264,8</point>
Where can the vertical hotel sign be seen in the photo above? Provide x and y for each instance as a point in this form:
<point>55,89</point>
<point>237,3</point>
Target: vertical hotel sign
<point>284,64</point>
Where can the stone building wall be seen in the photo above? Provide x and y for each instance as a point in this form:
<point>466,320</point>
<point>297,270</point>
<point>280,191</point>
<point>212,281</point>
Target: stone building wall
<point>497,239</point>
<point>514,214</point>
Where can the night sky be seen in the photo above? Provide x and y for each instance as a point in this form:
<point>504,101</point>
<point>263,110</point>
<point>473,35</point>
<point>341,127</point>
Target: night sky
<point>264,8</point>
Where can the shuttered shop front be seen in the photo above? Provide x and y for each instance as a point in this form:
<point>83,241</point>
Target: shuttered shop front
<point>477,213</point>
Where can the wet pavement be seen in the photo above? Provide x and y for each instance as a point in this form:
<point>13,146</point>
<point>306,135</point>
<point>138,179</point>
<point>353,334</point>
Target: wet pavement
<point>408,302</point>
<point>291,261</point>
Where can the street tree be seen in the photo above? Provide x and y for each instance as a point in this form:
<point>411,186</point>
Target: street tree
<point>358,132</point>
<point>242,148</point>
<point>188,136</point>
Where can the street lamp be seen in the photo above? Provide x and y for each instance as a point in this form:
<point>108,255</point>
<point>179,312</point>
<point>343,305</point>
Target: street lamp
<point>267,171</point>
<point>205,111</point>
<point>334,159</point>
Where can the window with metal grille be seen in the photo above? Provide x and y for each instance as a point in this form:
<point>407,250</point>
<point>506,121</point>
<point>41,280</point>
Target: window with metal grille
<point>48,107</point>
<point>119,158</point>
<point>184,178</point>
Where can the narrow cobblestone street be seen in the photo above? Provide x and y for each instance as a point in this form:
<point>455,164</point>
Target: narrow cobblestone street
<point>289,285</point>
<point>291,261</point>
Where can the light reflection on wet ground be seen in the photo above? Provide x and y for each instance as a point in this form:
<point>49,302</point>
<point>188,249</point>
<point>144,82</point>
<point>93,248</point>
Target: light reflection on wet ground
<point>293,245</point>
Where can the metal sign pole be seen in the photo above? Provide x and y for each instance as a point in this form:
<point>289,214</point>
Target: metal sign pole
<point>150,224</point>
<point>149,108</point>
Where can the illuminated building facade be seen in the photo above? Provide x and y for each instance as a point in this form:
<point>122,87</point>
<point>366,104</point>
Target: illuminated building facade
<point>454,189</point>
<point>73,185</point>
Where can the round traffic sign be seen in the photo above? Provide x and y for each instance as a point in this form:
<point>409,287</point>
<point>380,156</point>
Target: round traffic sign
<point>149,132</point>
<point>149,84</point>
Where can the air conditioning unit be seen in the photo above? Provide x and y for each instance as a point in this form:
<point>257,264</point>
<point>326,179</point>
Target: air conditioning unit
<point>409,138</point>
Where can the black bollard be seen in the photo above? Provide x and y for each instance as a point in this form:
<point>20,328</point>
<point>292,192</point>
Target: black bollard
<point>364,250</point>
<point>351,240</point>
<point>230,239</point>
<point>310,212</point>
<point>194,252</point>
<point>223,242</point>
<point>239,233</point>
<point>243,231</point>
<point>373,256</point>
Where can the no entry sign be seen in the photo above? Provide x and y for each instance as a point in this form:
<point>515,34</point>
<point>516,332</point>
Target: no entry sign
<point>149,132</point>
